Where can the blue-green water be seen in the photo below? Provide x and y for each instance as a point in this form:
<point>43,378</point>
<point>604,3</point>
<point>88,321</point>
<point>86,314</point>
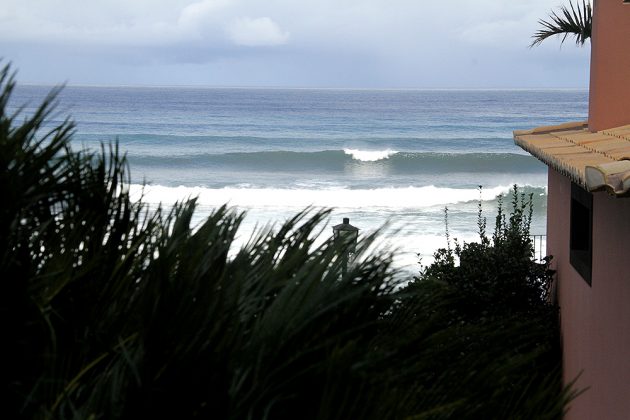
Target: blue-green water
<point>372,155</point>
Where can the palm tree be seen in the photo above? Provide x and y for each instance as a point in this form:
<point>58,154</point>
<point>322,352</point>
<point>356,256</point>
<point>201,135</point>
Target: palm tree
<point>573,20</point>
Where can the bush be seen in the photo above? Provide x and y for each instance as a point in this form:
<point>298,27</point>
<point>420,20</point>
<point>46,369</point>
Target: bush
<point>497,274</point>
<point>491,299</point>
<point>112,310</point>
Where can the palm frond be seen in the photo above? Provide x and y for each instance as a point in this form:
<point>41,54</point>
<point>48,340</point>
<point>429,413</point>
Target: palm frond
<point>112,310</point>
<point>573,20</point>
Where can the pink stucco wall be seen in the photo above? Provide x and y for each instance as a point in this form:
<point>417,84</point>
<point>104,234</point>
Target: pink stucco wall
<point>595,321</point>
<point>610,60</point>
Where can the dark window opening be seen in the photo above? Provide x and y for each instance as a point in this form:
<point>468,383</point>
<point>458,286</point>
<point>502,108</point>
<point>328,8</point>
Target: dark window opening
<point>581,246</point>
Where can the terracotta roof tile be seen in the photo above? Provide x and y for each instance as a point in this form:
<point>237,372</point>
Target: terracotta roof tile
<point>623,131</point>
<point>597,161</point>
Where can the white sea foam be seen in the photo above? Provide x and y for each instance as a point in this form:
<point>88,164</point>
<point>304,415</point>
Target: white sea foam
<point>364,199</point>
<point>413,215</point>
<point>370,155</point>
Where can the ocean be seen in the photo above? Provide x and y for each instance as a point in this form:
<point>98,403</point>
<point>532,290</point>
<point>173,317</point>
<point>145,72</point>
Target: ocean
<point>394,158</point>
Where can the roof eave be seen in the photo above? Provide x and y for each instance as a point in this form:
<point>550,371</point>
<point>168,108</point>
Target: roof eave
<point>596,161</point>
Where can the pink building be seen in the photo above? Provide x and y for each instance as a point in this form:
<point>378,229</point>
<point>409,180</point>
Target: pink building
<point>588,223</point>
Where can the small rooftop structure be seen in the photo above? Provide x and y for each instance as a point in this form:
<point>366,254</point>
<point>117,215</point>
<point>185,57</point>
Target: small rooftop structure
<point>595,160</point>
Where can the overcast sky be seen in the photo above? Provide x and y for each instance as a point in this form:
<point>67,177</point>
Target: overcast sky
<point>296,43</point>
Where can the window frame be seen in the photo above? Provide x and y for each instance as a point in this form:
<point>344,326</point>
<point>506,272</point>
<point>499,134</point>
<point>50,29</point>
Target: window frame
<point>581,232</point>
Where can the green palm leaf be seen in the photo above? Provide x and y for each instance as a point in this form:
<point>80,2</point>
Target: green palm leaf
<point>573,20</point>
<point>114,310</point>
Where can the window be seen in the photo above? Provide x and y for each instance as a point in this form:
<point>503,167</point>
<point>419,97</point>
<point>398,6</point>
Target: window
<point>581,246</point>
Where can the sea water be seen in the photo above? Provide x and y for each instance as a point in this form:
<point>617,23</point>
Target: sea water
<point>380,157</point>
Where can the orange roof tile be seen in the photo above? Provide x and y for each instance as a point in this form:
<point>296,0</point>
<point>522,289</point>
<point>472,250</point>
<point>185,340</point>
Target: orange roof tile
<point>596,161</point>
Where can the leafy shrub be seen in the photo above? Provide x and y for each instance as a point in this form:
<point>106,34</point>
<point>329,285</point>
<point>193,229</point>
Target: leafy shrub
<point>491,299</point>
<point>497,274</point>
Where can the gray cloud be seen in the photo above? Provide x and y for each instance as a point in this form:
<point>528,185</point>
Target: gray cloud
<point>255,32</point>
<point>353,43</point>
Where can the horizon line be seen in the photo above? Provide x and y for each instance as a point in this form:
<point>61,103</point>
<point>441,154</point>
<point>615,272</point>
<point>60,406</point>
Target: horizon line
<point>253,87</point>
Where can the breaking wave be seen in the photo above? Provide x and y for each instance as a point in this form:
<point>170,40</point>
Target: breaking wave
<point>338,160</point>
<point>364,199</point>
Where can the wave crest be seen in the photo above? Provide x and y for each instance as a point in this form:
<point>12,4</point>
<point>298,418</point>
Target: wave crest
<point>331,161</point>
<point>370,155</point>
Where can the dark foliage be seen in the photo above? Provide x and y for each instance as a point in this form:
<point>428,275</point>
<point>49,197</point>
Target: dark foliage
<point>497,274</point>
<point>112,310</point>
<point>573,20</point>
<point>494,306</point>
